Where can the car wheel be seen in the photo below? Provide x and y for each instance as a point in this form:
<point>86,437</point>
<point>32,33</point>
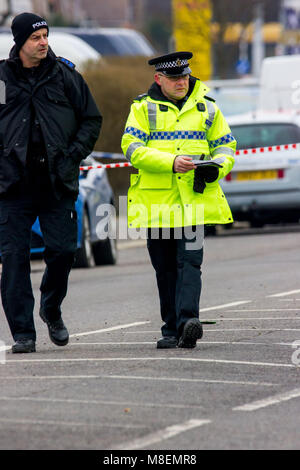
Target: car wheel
<point>84,256</point>
<point>256,222</point>
<point>105,251</point>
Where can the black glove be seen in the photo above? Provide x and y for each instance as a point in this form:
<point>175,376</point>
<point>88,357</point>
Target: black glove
<point>204,174</point>
<point>199,183</point>
<point>210,173</point>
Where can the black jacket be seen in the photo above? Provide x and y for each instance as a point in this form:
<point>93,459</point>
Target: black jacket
<point>69,119</point>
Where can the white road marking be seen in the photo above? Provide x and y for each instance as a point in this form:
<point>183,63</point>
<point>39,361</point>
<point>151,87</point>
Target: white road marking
<point>112,328</point>
<point>121,343</point>
<point>250,319</point>
<point>280,397</point>
<point>220,330</point>
<point>145,359</point>
<point>133,377</point>
<point>231,304</point>
<point>267,310</point>
<point>69,423</point>
<point>96,402</point>
<point>282,294</point>
<point>163,434</point>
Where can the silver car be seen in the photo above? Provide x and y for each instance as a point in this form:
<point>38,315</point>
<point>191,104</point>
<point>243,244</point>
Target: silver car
<point>264,185</point>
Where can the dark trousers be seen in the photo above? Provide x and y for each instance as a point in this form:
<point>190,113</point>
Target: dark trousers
<point>178,275</point>
<point>58,223</point>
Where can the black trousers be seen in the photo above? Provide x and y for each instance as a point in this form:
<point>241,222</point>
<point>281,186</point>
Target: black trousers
<point>58,221</point>
<point>177,263</point>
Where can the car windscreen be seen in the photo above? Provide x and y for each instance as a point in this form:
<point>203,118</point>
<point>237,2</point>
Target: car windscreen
<point>265,135</point>
<point>236,100</point>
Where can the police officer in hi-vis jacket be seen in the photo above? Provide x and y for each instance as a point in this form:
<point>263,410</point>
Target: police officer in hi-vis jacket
<point>181,144</point>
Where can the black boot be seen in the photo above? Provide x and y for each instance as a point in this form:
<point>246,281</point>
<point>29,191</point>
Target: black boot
<point>58,332</point>
<point>23,345</point>
<point>192,331</point>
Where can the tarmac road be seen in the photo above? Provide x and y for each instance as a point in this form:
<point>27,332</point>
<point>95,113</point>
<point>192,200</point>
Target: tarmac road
<point>110,388</point>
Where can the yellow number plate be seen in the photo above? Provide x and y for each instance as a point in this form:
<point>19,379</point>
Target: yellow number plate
<point>257,175</point>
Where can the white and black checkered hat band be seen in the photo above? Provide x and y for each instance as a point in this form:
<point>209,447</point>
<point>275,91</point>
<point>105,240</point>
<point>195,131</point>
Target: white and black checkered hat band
<point>172,64</point>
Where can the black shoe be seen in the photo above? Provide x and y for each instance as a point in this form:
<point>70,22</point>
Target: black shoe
<point>24,345</point>
<point>192,331</point>
<point>57,330</point>
<point>167,342</point>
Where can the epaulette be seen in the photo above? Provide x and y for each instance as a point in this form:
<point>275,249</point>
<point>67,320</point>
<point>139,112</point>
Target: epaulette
<point>140,97</point>
<point>209,98</point>
<point>66,62</point>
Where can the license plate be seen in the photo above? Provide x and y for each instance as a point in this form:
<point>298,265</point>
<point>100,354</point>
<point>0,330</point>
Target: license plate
<point>257,175</point>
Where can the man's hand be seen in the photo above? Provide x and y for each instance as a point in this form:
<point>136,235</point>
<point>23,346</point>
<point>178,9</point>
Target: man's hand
<point>182,164</point>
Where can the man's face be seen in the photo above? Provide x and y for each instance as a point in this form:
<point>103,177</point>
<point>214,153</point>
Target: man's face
<point>174,88</point>
<point>35,48</point>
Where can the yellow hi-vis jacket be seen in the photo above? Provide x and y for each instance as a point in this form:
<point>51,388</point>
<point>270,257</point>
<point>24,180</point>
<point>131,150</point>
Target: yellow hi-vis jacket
<point>155,133</point>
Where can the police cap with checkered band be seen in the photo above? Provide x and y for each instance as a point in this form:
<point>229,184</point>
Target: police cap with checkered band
<point>173,65</point>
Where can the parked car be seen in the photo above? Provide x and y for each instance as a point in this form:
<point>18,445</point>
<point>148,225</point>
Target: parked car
<point>94,190</point>
<point>112,41</point>
<point>235,96</point>
<point>63,44</point>
<point>264,187</point>
<point>82,44</point>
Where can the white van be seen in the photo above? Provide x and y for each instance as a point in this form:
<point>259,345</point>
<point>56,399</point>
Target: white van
<point>280,83</point>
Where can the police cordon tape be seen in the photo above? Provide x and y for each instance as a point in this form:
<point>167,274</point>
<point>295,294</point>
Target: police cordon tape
<point>114,156</point>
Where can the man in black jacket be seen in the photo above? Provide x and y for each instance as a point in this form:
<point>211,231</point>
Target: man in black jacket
<point>49,122</point>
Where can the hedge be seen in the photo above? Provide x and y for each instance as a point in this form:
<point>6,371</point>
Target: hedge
<point>114,82</point>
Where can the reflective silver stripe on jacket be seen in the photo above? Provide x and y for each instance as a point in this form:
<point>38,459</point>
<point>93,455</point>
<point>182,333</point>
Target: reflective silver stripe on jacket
<point>132,147</point>
<point>222,150</point>
<point>152,115</point>
<point>211,114</point>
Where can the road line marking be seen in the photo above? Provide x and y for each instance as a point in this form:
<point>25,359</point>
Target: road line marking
<point>135,377</point>
<point>70,423</point>
<point>220,330</point>
<point>267,310</point>
<point>250,319</point>
<point>112,328</point>
<point>232,304</point>
<point>176,379</point>
<point>127,343</point>
<point>171,379</point>
<point>113,343</point>
<point>98,402</point>
<point>145,359</point>
<point>282,294</point>
<point>163,434</point>
<point>280,397</point>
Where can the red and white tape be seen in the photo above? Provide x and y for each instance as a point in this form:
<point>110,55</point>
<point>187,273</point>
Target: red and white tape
<point>274,148</point>
<point>256,150</point>
<point>108,165</point>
